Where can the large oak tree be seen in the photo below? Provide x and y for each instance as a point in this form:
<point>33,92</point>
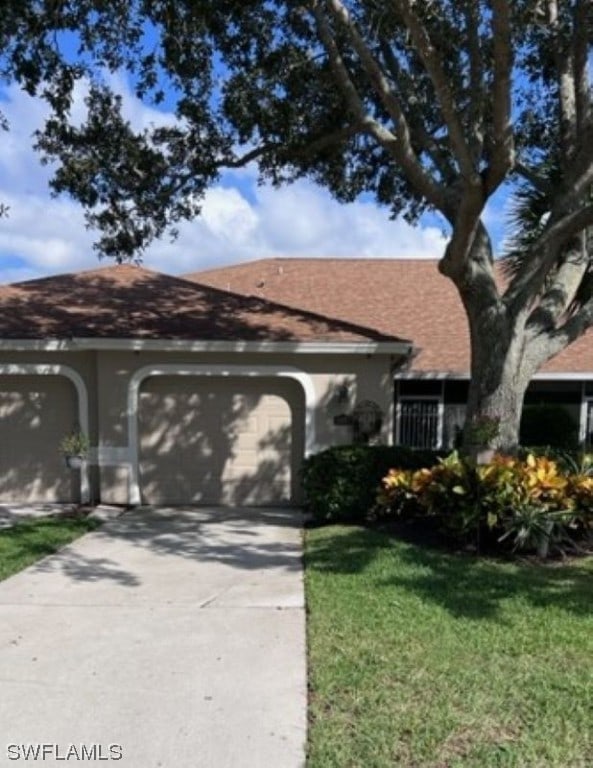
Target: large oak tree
<point>428,105</point>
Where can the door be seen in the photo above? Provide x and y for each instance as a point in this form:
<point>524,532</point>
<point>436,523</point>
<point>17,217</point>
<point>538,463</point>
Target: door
<point>35,414</point>
<point>220,440</point>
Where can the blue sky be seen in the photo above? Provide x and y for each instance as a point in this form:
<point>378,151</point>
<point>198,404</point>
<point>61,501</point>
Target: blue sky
<point>240,220</point>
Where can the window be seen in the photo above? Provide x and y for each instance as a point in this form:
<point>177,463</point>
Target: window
<point>420,422</point>
<point>589,424</point>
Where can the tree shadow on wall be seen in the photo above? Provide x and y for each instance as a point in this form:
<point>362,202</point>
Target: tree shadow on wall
<point>277,475</point>
<point>31,427</point>
<point>273,474</point>
<point>202,442</point>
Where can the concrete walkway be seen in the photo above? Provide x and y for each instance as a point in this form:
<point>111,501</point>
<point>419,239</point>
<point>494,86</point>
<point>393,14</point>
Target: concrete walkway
<point>174,637</point>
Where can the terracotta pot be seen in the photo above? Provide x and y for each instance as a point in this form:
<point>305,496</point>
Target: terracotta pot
<point>485,455</point>
<point>74,462</point>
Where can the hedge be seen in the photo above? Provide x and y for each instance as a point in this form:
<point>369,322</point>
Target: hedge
<point>548,424</point>
<point>341,483</point>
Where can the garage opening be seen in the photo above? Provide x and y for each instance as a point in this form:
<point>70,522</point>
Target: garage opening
<point>220,440</point>
<point>35,414</point>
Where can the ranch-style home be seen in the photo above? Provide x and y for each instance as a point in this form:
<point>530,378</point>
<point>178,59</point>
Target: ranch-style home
<point>189,393</point>
<point>212,387</point>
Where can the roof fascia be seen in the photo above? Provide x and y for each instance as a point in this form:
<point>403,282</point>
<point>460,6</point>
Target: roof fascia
<point>177,345</point>
<point>444,376</point>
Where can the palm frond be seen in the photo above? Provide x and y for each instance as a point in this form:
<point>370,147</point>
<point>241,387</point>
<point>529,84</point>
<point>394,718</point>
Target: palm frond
<point>527,216</point>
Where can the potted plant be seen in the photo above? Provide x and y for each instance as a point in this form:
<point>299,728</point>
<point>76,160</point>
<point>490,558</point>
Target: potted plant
<point>74,447</point>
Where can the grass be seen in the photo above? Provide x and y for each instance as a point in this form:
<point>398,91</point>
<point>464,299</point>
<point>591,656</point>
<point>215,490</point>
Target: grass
<point>24,543</point>
<point>424,659</point>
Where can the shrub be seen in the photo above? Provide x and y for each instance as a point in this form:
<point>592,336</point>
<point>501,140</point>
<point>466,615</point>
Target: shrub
<point>340,483</point>
<point>548,424</point>
<point>566,458</point>
<point>523,501</point>
<point>446,491</point>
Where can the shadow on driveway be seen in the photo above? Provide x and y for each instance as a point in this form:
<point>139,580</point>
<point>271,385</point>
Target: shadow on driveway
<point>248,539</point>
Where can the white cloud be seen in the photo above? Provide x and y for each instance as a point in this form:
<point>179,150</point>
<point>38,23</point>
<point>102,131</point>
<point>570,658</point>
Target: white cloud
<point>138,114</point>
<point>305,220</point>
<point>239,219</point>
<point>228,216</point>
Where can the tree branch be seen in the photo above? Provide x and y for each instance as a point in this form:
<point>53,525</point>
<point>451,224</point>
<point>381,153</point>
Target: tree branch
<point>547,344</point>
<point>468,262</point>
<point>560,294</point>
<point>349,91</point>
<point>537,181</point>
<point>563,229</point>
<point>308,148</point>
<point>543,255</point>
<point>372,69</point>
<point>503,155</point>
<point>466,225</point>
<point>580,47</point>
<point>398,145</point>
<point>566,86</point>
<point>248,157</point>
<point>432,62</point>
<point>436,152</point>
<point>476,78</point>
<point>579,177</point>
<point>312,145</point>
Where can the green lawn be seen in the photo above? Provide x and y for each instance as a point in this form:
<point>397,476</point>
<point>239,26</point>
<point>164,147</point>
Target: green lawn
<point>421,659</point>
<point>26,542</point>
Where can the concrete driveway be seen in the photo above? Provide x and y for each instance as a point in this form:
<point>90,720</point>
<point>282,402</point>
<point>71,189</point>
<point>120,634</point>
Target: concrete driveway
<point>170,637</point>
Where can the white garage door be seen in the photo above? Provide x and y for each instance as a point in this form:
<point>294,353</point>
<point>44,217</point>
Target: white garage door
<point>35,413</point>
<point>220,440</point>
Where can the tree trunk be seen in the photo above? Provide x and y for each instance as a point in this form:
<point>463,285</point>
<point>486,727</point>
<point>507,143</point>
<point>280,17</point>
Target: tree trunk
<point>498,382</point>
<point>503,358</point>
<point>494,401</point>
<point>499,376</point>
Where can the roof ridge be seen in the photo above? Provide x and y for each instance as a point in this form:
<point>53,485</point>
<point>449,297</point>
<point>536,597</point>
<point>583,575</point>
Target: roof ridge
<point>236,265</point>
<point>90,271</point>
<point>310,259</point>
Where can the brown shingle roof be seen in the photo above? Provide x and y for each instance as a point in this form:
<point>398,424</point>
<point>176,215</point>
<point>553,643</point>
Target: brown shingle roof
<point>132,302</point>
<point>409,298</point>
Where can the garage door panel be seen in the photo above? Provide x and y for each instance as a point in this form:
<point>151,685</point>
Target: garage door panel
<point>219,441</point>
<point>247,428</point>
<point>275,423</point>
<point>268,484</point>
<point>35,413</point>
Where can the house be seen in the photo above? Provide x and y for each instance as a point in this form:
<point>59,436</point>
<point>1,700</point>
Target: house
<point>410,298</point>
<point>212,387</point>
<point>190,393</point>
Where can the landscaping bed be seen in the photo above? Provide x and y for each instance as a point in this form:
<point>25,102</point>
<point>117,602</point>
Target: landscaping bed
<point>424,658</point>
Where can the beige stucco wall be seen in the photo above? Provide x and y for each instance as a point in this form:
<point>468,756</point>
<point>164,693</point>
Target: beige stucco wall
<point>84,363</point>
<point>107,376</point>
<point>368,378</point>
